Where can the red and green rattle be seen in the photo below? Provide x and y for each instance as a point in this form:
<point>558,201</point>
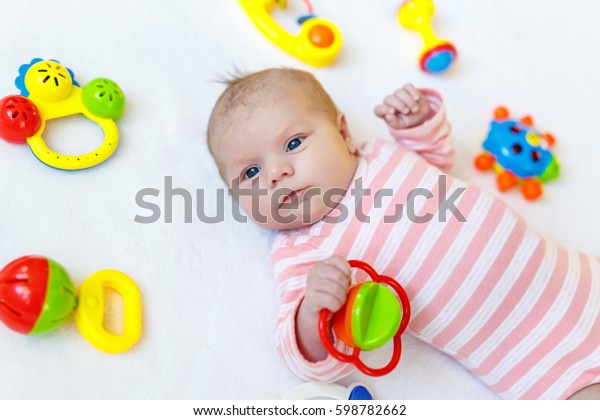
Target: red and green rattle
<point>371,316</point>
<point>37,295</point>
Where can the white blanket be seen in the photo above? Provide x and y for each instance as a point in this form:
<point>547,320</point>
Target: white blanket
<point>209,302</point>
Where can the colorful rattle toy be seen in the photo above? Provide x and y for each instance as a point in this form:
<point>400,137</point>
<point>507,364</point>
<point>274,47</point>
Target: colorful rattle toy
<point>437,54</point>
<point>518,153</point>
<point>318,42</point>
<point>49,91</point>
<point>370,317</point>
<point>37,295</point>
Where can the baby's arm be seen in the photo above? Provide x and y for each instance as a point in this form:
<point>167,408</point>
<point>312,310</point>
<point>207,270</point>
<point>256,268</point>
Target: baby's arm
<point>417,120</point>
<point>298,341</point>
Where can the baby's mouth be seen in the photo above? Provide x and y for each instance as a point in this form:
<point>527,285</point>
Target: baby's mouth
<point>294,196</point>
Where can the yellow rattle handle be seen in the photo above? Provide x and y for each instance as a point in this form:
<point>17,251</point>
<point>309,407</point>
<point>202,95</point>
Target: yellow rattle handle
<point>417,15</point>
<point>71,105</point>
<point>75,162</point>
<point>317,44</point>
<point>437,54</point>
<point>89,315</point>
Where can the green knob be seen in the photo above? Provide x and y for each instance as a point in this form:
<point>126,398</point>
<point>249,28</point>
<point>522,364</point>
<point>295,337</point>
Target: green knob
<point>376,316</point>
<point>60,299</point>
<point>104,98</point>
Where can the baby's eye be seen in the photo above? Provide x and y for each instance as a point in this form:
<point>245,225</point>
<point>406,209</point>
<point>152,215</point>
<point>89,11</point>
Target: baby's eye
<point>251,172</point>
<point>294,143</point>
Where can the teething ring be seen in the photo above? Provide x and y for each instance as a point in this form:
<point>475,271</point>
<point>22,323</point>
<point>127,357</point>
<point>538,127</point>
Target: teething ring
<point>354,357</point>
<point>49,91</point>
<point>89,315</point>
<point>75,162</point>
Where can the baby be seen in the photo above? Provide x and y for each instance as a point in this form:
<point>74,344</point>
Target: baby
<point>520,313</point>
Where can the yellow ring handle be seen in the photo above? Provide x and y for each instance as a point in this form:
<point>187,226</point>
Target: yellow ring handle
<point>71,105</point>
<point>75,162</point>
<point>89,315</point>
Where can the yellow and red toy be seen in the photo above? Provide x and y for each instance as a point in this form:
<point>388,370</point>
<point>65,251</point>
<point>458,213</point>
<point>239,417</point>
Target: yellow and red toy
<point>519,154</point>
<point>37,295</point>
<point>371,316</point>
<point>49,91</point>
<point>437,54</point>
<point>318,43</point>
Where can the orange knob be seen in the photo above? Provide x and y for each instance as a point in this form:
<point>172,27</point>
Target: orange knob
<point>321,36</point>
<point>506,180</point>
<point>550,139</point>
<point>501,113</point>
<point>527,120</point>
<point>531,189</point>
<point>484,161</point>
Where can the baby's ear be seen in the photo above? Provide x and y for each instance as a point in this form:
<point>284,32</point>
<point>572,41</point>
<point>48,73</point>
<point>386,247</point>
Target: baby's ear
<point>345,133</point>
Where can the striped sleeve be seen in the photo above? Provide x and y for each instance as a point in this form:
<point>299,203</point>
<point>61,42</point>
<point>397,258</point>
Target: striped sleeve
<point>291,264</point>
<point>432,139</point>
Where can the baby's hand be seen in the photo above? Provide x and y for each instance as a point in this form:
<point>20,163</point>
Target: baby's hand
<point>326,288</point>
<point>405,108</point>
<point>327,285</point>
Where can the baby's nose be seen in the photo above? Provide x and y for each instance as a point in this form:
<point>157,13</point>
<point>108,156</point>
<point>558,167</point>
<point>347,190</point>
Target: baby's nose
<point>277,171</point>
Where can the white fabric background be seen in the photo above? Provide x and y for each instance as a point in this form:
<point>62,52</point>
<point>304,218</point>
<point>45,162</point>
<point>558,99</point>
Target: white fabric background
<point>209,298</point>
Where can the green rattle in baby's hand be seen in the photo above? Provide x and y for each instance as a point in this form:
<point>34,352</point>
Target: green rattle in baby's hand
<point>371,316</point>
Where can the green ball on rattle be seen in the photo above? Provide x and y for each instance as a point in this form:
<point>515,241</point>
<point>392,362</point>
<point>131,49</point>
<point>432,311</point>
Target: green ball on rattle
<point>104,98</point>
<point>370,317</point>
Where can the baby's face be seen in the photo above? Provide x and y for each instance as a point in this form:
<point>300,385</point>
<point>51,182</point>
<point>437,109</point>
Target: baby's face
<point>288,165</point>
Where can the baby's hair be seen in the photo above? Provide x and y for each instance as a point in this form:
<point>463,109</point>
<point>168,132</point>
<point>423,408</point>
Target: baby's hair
<point>264,87</point>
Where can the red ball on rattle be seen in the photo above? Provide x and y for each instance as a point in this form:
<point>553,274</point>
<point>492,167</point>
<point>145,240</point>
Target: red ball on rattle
<point>19,119</point>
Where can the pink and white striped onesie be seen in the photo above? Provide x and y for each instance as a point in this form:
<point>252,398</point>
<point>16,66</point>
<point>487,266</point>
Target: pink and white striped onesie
<point>519,312</point>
